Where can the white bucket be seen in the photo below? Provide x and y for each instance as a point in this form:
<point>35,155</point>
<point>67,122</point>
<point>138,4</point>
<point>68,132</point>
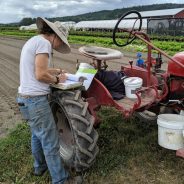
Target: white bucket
<point>171,131</point>
<point>131,85</point>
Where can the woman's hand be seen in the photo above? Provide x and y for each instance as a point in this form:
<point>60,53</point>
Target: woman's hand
<point>62,77</point>
<point>60,71</point>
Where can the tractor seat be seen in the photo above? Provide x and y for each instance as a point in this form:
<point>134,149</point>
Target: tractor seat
<point>100,53</point>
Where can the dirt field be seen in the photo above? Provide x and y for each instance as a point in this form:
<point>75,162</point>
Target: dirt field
<point>9,77</point>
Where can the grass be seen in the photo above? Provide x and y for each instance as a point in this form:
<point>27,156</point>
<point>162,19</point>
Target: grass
<point>15,158</point>
<point>129,154</point>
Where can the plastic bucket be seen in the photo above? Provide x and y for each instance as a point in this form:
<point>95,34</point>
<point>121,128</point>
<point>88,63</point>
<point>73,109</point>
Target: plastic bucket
<point>131,85</point>
<point>171,131</point>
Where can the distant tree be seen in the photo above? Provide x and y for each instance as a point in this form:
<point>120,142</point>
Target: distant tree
<point>27,21</point>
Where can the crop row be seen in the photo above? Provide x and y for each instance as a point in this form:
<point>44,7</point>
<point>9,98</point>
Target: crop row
<point>170,47</point>
<point>99,33</point>
<point>109,34</point>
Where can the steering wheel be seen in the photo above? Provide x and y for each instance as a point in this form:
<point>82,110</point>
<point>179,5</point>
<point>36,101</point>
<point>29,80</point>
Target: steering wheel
<point>129,36</point>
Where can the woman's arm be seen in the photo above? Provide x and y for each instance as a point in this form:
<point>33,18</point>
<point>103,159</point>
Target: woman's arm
<point>55,71</point>
<point>43,73</point>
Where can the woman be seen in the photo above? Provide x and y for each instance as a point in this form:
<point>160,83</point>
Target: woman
<point>35,77</point>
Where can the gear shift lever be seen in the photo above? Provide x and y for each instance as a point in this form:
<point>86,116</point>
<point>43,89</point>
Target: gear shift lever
<point>131,63</point>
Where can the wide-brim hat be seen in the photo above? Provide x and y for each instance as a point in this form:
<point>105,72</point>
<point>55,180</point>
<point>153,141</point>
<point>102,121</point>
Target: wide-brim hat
<point>60,30</point>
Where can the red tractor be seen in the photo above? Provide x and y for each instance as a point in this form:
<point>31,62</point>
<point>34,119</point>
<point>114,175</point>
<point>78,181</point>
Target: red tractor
<point>75,110</point>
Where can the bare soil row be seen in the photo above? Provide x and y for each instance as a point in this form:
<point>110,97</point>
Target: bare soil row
<point>10,50</point>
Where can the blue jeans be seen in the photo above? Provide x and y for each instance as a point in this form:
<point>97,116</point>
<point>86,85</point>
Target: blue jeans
<point>45,138</point>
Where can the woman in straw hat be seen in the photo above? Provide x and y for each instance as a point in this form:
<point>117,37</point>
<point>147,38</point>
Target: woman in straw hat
<point>35,77</point>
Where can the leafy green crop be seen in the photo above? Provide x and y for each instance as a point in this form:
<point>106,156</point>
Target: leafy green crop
<point>105,39</point>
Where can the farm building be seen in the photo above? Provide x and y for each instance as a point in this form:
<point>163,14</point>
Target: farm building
<point>146,15</point>
<point>166,13</point>
<point>168,23</point>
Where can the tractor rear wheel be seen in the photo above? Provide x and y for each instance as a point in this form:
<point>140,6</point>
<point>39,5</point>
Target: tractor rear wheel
<point>78,138</point>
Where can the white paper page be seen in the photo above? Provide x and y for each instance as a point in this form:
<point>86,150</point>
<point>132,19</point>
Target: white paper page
<point>72,77</point>
<point>88,74</point>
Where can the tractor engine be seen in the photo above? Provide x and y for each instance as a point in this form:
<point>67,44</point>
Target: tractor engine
<point>176,77</point>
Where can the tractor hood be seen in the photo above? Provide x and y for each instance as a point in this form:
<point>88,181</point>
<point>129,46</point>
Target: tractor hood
<point>174,68</point>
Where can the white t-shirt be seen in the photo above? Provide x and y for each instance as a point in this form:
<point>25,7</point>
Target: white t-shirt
<point>29,85</point>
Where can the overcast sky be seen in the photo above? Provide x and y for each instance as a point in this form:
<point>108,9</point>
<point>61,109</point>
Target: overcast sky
<point>15,10</point>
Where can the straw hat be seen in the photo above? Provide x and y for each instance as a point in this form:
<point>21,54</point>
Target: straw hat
<point>60,31</point>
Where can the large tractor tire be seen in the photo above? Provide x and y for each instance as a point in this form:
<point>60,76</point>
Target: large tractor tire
<point>78,138</point>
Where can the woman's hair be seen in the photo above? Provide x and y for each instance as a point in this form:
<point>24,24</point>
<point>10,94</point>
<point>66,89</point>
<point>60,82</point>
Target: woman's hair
<point>46,29</point>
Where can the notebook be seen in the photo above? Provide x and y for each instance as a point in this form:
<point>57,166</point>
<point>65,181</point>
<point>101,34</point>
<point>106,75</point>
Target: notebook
<point>83,77</point>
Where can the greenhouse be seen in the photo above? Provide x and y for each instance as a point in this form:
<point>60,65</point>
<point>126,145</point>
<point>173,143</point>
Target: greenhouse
<point>109,24</point>
<point>30,27</point>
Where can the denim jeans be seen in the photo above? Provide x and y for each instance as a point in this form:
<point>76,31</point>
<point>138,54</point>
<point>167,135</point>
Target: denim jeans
<point>45,138</point>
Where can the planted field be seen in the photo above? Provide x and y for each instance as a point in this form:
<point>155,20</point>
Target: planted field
<point>171,45</point>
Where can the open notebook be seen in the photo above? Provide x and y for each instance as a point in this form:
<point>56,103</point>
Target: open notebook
<point>83,77</point>
<point>72,82</point>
